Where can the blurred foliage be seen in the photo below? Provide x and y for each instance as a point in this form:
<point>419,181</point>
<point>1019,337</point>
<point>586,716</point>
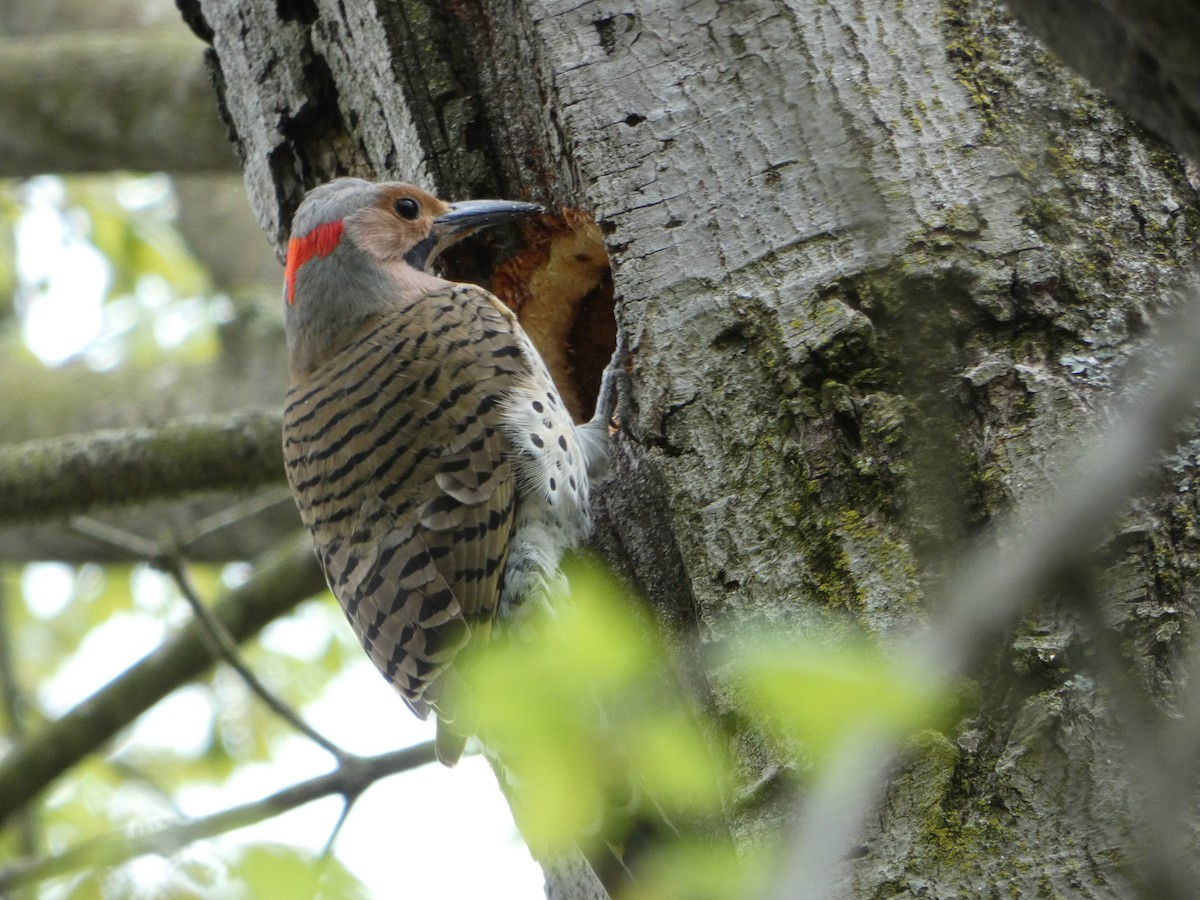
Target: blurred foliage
<point>578,699</point>
<point>814,691</point>
<point>130,222</point>
<point>581,706</point>
<point>94,268</point>
<point>574,701</point>
<point>273,871</point>
<point>72,629</point>
<point>698,869</point>
<point>10,211</point>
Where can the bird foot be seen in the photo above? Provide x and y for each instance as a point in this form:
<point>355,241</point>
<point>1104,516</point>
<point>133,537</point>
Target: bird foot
<point>614,385</point>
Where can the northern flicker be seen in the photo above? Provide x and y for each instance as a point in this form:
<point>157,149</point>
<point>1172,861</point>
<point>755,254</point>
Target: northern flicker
<point>429,452</point>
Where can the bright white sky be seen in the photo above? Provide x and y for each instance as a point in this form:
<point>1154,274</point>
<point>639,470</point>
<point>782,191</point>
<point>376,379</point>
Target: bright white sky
<point>433,833</point>
<point>65,314</point>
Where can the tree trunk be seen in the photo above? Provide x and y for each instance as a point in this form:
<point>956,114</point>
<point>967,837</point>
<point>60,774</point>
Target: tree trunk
<point>880,268</point>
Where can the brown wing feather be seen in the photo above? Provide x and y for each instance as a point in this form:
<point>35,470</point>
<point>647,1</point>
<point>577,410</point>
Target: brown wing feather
<point>404,478</point>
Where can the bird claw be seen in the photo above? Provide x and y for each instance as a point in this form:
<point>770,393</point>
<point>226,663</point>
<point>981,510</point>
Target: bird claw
<point>614,386</point>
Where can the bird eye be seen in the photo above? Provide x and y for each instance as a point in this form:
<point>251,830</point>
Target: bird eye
<point>407,208</point>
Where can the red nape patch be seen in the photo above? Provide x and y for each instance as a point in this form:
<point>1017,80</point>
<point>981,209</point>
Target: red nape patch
<point>318,242</point>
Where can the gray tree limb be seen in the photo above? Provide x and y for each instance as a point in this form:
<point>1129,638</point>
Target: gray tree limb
<point>55,478</point>
<point>103,101</point>
<point>41,405</point>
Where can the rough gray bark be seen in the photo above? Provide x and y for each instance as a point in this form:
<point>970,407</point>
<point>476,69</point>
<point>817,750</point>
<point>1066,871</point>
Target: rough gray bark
<point>879,268</point>
<point>1018,268</point>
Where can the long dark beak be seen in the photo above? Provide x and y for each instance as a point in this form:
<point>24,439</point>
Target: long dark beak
<point>472,214</point>
<point>463,219</point>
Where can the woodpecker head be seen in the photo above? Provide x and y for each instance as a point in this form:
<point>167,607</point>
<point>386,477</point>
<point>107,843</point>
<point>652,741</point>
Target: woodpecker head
<point>358,248</point>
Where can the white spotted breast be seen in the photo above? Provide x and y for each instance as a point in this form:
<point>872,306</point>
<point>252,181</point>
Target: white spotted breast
<point>551,463</point>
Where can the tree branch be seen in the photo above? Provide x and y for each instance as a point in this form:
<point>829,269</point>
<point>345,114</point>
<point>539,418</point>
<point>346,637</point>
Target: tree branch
<point>44,479</point>
<point>218,640</point>
<point>99,101</point>
<point>12,704</point>
<point>281,579</point>
<point>350,779</point>
<point>222,645</point>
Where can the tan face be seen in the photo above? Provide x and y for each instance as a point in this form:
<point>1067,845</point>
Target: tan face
<point>400,218</point>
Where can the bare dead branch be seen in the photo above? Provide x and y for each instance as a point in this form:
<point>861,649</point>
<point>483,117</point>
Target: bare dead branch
<point>136,546</point>
<point>350,779</point>
<point>233,515</point>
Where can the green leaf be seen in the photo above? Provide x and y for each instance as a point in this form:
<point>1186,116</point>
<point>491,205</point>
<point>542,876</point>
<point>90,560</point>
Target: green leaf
<point>580,705</point>
<point>702,870</point>
<point>85,887</point>
<point>813,692</point>
<point>273,870</point>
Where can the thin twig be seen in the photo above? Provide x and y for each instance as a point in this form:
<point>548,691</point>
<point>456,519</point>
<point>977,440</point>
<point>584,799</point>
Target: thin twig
<point>350,779</point>
<point>224,647</point>
<point>215,636</point>
<point>280,579</point>
<point>347,806</point>
<point>133,544</point>
<point>234,514</point>
<point>212,632</point>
